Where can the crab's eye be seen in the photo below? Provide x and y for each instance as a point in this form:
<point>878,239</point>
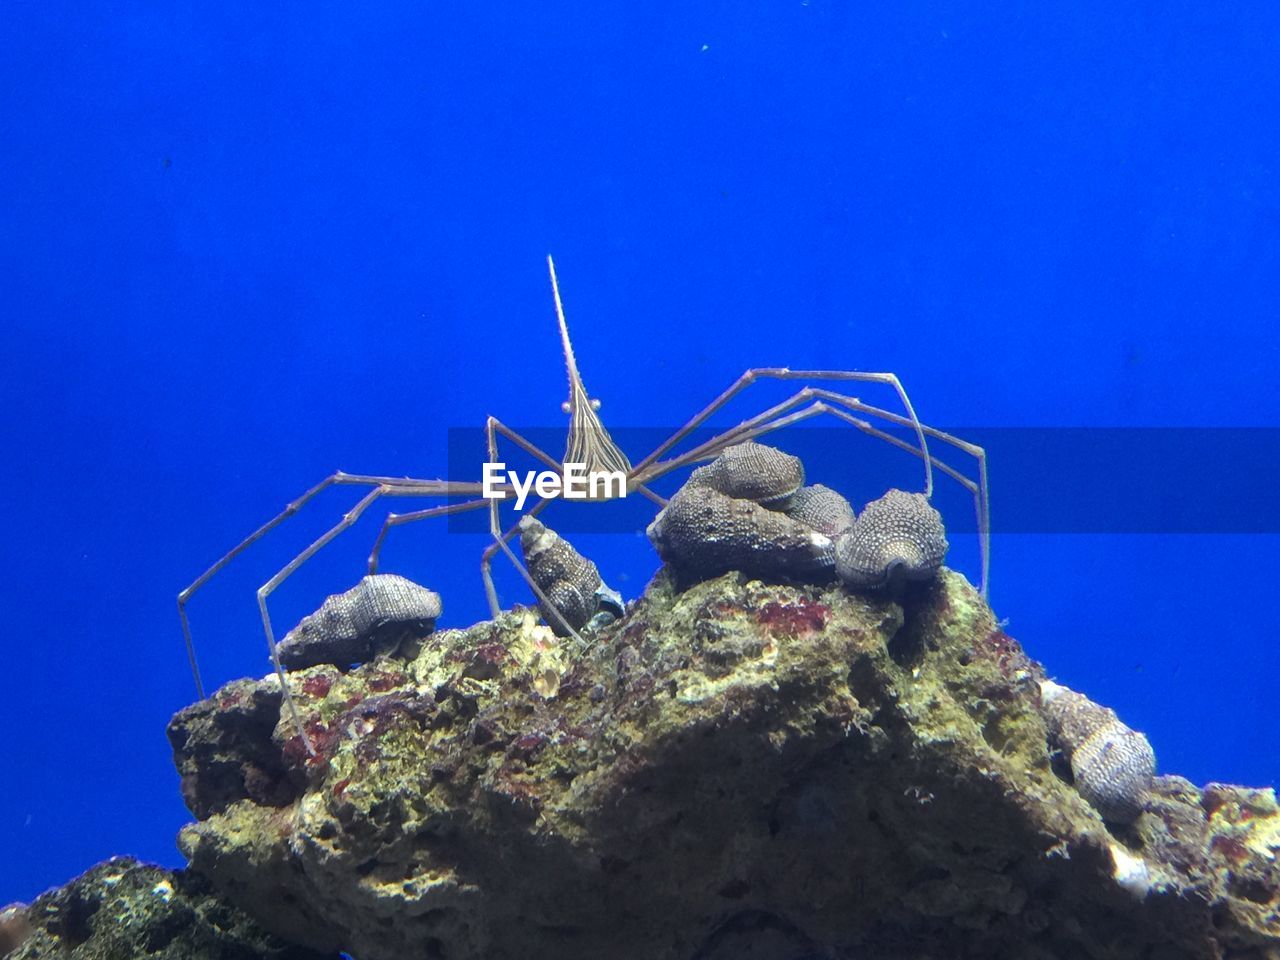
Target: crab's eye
<point>565,406</point>
<point>595,404</point>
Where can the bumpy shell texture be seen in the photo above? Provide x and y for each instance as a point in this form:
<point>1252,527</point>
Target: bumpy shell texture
<point>570,580</point>
<point>703,533</point>
<point>752,471</point>
<point>353,627</point>
<point>822,508</point>
<point>1111,763</point>
<point>897,538</point>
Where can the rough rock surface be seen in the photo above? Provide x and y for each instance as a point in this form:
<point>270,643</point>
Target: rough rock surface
<point>122,910</point>
<point>737,771</point>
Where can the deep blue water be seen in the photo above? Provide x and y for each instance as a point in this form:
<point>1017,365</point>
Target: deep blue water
<point>244,245</point>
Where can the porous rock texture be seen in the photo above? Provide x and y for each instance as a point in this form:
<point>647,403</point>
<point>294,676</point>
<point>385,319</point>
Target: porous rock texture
<point>740,770</point>
<point>125,910</point>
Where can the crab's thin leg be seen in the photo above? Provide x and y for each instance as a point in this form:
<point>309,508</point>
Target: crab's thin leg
<point>756,427</point>
<point>982,497</point>
<point>738,434</point>
<point>783,373</point>
<point>398,519</point>
<point>492,549</point>
<point>494,427</point>
<point>265,591</point>
<point>716,444</point>
<point>661,501</point>
<point>547,604</point>
<point>337,478</point>
<point>746,430</point>
<point>978,489</point>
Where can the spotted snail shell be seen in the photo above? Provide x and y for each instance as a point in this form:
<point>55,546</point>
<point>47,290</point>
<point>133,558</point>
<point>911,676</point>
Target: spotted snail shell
<point>1111,763</point>
<point>354,626</point>
<point>749,510</point>
<point>702,533</point>
<point>752,471</point>
<point>568,579</point>
<point>822,508</point>
<point>896,538</point>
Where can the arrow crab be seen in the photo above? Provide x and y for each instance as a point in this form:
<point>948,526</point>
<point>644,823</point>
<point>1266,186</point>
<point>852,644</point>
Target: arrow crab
<point>590,447</point>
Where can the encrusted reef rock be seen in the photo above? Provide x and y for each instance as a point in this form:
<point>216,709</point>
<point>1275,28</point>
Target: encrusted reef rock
<point>123,910</point>
<point>740,770</point>
<point>15,928</point>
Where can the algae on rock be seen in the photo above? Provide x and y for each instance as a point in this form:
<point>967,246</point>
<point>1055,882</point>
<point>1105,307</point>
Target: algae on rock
<point>798,770</point>
<point>122,910</point>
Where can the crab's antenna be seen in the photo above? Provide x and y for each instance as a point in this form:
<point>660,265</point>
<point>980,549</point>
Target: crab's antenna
<point>589,442</point>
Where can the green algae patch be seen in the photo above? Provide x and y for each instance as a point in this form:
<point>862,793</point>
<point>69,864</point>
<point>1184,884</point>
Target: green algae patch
<point>122,909</point>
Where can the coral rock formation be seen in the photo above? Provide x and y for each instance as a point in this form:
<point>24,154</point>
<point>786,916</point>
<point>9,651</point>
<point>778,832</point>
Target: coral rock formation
<point>737,770</point>
<point>123,909</point>
<point>15,928</point>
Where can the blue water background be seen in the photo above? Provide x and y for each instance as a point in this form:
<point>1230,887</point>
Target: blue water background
<point>245,245</point>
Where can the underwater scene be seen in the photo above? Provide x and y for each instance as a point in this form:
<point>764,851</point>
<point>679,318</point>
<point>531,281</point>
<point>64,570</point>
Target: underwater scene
<point>682,481</point>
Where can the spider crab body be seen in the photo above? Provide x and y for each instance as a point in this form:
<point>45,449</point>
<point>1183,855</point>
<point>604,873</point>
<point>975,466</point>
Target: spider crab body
<point>590,447</point>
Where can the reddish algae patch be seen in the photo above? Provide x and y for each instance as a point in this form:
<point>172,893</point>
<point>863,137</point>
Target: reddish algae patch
<point>793,619</point>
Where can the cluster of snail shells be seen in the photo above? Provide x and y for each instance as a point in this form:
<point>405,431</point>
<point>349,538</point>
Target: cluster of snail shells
<point>1112,764</point>
<point>733,515</point>
<point>354,626</point>
<point>749,510</point>
<point>566,578</point>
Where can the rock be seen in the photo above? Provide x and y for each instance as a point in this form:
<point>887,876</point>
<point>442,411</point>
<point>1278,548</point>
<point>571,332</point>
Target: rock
<point>738,770</point>
<point>15,928</point>
<point>223,749</point>
<point>122,909</point>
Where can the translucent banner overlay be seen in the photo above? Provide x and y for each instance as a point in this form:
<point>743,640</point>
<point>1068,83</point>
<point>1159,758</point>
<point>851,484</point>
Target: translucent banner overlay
<point>1042,480</point>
